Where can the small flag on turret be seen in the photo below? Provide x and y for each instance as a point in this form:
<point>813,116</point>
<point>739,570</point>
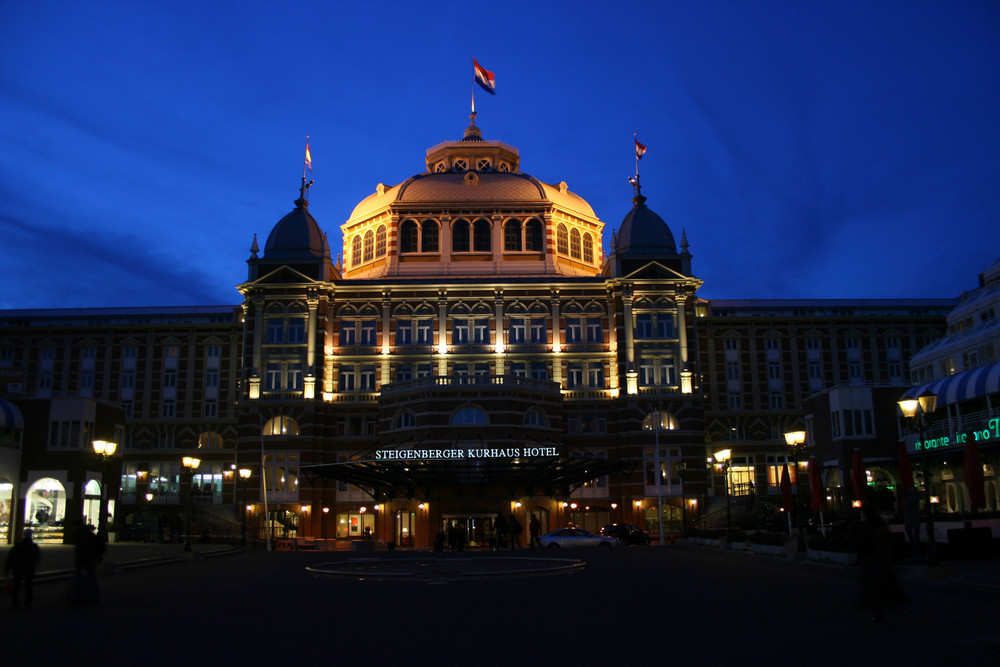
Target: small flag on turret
<point>485,78</point>
<point>309,158</point>
<point>640,150</point>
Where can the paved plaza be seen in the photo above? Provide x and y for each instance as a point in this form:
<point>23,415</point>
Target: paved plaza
<point>675,605</point>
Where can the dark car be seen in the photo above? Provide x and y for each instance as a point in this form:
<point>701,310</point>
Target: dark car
<point>627,533</point>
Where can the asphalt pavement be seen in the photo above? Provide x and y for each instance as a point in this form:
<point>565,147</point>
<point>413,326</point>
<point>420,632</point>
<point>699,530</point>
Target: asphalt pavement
<point>673,605</point>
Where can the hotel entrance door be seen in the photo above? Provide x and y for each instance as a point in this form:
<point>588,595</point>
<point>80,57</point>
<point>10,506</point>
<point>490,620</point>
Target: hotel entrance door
<point>477,529</point>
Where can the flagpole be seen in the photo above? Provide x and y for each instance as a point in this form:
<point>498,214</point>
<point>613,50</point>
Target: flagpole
<point>634,137</point>
<point>472,87</point>
<point>304,160</point>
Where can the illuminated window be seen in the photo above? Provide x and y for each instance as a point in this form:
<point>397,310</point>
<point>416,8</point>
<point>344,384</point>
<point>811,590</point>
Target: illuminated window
<point>562,240</point>
<point>356,251</point>
<point>209,440</point>
<point>666,421</point>
<point>574,244</point>
<point>380,241</point>
<point>588,248</point>
<point>369,251</point>
<point>281,426</point>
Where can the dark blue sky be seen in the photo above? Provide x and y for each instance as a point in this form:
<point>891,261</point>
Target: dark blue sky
<point>809,149</point>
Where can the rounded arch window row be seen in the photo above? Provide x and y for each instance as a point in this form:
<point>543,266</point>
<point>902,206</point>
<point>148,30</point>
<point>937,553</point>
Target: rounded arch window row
<point>471,415</point>
<point>574,244</point>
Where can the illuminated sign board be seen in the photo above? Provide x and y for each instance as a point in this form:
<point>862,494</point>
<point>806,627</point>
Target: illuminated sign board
<point>464,453</point>
<point>989,434</point>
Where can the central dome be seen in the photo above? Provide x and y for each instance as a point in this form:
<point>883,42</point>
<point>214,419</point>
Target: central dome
<point>472,212</point>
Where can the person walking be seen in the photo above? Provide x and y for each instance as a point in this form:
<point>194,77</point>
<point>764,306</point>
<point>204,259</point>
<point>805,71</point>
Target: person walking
<point>88,552</point>
<point>879,587</point>
<point>534,528</point>
<point>515,532</point>
<point>19,567</point>
<point>500,526</point>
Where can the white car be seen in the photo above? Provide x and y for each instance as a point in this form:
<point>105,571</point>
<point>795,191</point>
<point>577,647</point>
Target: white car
<point>577,537</point>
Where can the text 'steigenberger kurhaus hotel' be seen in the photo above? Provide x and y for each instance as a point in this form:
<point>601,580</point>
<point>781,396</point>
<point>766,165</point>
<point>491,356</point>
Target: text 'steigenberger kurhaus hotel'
<point>479,353</point>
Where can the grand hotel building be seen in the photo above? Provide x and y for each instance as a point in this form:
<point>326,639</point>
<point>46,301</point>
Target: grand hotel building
<point>477,353</point>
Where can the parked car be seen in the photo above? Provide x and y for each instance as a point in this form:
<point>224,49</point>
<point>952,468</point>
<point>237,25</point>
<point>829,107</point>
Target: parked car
<point>577,537</point>
<point>626,532</point>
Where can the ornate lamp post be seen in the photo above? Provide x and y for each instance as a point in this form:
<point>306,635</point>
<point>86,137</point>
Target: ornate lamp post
<point>725,458</point>
<point>244,476</point>
<point>104,450</point>
<point>681,470</point>
<point>796,441</point>
<point>190,465</point>
<point>918,408</point>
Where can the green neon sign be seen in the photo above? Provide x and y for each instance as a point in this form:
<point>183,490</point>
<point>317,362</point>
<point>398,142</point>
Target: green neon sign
<point>989,434</point>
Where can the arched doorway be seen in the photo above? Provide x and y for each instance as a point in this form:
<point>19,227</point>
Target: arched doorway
<point>6,509</point>
<point>46,509</point>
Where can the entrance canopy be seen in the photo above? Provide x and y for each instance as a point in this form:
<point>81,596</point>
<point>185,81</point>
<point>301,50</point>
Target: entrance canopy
<point>963,386</point>
<point>421,476</point>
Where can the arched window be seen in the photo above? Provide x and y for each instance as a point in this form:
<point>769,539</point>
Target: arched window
<point>535,417</point>
<point>369,246</point>
<point>666,421</point>
<point>512,235</point>
<point>469,416</point>
<point>574,244</point>
<point>429,236</point>
<point>209,440</point>
<point>533,235</point>
<point>356,251</point>
<point>281,426</point>
<point>380,241</point>
<point>562,240</point>
<point>405,419</point>
<point>588,248</point>
<point>460,236</point>
<point>481,236</point>
<point>408,237</point>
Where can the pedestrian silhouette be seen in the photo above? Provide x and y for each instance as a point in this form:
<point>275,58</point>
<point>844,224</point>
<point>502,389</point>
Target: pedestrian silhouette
<point>19,568</point>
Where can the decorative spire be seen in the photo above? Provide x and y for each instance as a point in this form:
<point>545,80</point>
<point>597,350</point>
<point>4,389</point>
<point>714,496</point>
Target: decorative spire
<point>472,132</point>
<point>684,242</point>
<point>254,249</point>
<point>303,200</point>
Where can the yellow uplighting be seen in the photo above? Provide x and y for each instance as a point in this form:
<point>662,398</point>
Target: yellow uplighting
<point>556,347</point>
<point>500,347</point>
<point>442,348</point>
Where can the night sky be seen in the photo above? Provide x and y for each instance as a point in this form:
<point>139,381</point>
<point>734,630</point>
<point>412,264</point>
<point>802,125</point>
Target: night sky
<point>809,149</point>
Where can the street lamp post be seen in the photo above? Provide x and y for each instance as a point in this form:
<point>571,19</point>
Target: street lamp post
<point>918,408</point>
<point>796,441</point>
<point>725,457</point>
<point>190,465</point>
<point>244,476</point>
<point>681,470</point>
<point>104,450</point>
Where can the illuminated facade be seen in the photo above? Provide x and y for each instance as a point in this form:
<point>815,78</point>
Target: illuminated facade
<point>479,352</point>
<point>475,312</point>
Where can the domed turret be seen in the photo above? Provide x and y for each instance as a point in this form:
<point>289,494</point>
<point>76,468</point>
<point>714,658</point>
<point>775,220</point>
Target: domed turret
<point>297,242</point>
<point>643,238</point>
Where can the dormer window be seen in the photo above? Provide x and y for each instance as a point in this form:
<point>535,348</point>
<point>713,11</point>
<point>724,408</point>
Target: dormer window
<point>503,166</point>
<point>484,165</point>
<point>459,165</point>
<point>441,167</point>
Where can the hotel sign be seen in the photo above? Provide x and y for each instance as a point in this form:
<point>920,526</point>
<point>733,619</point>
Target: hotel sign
<point>464,453</point>
<point>989,434</point>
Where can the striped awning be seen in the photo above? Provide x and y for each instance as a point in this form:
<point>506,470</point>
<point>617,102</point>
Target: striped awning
<point>10,416</point>
<point>962,386</point>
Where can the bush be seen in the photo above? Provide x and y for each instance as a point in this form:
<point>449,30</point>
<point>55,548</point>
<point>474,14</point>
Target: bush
<point>769,538</point>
